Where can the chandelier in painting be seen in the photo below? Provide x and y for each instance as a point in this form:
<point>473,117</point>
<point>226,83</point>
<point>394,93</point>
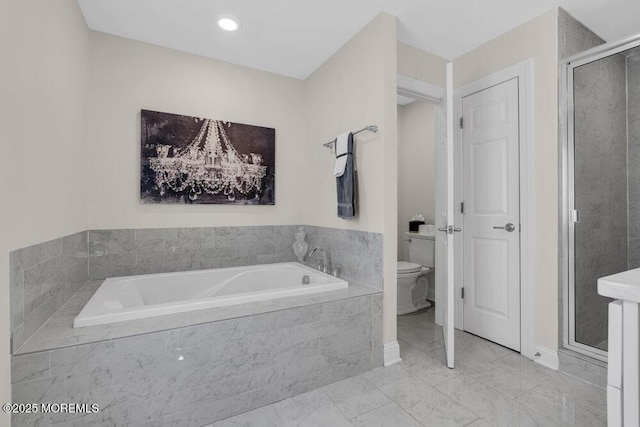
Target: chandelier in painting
<point>209,168</point>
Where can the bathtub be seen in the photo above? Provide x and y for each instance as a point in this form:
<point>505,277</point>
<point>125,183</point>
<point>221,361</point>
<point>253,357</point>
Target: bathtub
<point>136,297</point>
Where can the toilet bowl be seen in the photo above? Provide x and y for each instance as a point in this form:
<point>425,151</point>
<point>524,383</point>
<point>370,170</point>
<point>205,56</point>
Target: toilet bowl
<point>412,275</point>
<point>413,285</point>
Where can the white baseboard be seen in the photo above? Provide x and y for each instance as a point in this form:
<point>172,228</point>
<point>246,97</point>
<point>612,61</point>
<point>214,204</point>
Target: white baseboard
<point>547,357</point>
<point>391,353</point>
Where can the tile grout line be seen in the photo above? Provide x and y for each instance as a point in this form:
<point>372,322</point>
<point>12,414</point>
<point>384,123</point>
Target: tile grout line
<point>430,386</point>
<point>335,405</point>
<point>392,402</point>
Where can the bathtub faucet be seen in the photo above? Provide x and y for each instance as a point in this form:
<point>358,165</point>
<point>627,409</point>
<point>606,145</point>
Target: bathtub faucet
<point>323,264</point>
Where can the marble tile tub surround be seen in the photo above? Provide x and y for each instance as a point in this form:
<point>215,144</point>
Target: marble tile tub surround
<point>203,373</point>
<point>58,331</point>
<point>358,254</point>
<point>43,278</point>
<point>125,252</point>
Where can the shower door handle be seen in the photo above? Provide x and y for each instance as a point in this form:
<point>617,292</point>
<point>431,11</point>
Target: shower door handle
<point>509,227</point>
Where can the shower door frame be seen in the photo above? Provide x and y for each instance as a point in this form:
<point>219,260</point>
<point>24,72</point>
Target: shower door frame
<point>567,195</point>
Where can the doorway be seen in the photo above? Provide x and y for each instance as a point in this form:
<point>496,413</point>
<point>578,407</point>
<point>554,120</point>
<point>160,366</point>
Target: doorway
<point>494,203</point>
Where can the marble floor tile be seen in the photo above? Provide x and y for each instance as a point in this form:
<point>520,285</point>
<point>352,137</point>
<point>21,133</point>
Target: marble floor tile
<point>506,380</point>
<point>427,405</point>
<point>525,367</point>
<point>495,408</point>
<point>480,348</point>
<point>383,376</point>
<point>428,369</point>
<point>261,417</point>
<point>386,416</point>
<point>310,409</point>
<point>568,404</point>
<point>490,386</point>
<point>420,336</point>
<point>479,423</point>
<point>355,396</point>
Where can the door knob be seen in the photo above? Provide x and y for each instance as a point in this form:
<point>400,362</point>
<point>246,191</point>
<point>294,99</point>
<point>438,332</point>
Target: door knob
<point>450,229</point>
<point>509,227</point>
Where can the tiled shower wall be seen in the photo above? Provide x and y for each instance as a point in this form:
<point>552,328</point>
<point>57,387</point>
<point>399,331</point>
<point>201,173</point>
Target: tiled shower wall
<point>633,126</point>
<point>600,184</point>
<point>43,278</point>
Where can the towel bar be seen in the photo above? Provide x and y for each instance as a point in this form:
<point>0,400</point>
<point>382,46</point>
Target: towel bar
<point>370,128</point>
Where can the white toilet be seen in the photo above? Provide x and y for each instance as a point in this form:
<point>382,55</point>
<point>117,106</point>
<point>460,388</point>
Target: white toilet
<point>413,283</point>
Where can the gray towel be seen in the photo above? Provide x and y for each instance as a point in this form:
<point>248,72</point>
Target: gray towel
<point>347,186</point>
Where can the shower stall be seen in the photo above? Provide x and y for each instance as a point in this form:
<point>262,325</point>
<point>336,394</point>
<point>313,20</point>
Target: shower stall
<point>600,204</point>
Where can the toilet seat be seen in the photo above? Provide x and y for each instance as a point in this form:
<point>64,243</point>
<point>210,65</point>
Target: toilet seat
<point>405,267</point>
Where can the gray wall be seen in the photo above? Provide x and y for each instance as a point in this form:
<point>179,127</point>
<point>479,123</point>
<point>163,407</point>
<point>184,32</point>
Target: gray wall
<point>200,374</point>
<point>633,125</point>
<point>573,37</point>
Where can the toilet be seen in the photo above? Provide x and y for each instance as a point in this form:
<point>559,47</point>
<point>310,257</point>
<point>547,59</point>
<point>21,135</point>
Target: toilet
<point>413,282</point>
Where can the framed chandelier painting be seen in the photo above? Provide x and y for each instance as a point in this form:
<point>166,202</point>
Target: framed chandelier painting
<point>196,160</point>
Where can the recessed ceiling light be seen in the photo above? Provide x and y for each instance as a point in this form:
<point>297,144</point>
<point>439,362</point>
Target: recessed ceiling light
<point>228,22</point>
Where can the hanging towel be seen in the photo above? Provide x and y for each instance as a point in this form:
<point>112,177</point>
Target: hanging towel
<point>342,147</point>
<point>347,182</point>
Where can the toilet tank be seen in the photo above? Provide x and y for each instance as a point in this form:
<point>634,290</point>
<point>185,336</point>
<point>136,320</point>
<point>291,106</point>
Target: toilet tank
<point>422,249</point>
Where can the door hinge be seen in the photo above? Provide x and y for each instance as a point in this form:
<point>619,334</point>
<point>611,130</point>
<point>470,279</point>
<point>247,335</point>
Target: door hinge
<point>461,207</point>
<point>462,293</point>
<point>574,215</point>
<point>461,123</point>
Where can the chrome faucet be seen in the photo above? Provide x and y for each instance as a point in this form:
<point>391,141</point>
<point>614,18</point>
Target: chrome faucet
<point>323,264</point>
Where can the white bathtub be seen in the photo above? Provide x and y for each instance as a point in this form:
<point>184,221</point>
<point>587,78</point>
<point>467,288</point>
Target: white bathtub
<point>137,297</point>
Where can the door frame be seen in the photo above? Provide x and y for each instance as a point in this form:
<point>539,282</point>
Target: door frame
<point>523,71</point>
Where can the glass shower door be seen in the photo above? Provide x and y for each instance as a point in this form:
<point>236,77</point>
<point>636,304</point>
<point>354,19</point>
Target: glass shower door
<point>603,185</point>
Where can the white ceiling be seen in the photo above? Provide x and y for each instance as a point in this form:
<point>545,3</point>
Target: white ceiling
<point>294,37</point>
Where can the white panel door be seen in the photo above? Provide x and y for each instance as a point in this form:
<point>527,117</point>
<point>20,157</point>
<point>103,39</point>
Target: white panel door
<point>444,219</point>
<point>491,254</point>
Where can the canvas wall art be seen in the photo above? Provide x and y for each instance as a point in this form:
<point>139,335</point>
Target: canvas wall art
<point>196,160</point>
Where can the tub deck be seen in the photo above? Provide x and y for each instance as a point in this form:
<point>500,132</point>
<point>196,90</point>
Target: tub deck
<point>58,331</point>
